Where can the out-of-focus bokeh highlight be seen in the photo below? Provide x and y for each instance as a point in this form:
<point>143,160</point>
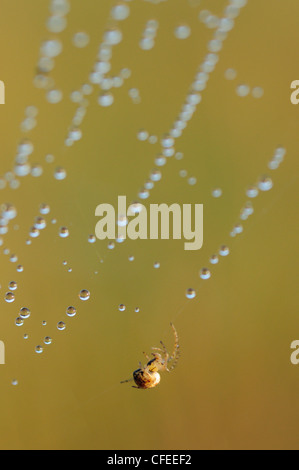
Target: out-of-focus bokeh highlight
<point>234,387</point>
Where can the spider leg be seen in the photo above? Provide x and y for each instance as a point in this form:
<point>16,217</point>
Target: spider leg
<point>164,347</point>
<point>158,349</point>
<point>176,352</point>
<point>147,356</point>
<point>126,381</point>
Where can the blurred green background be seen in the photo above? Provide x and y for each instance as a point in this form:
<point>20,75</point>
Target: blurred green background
<point>234,387</point>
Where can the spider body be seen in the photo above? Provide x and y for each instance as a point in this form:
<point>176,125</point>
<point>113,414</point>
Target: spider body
<point>148,376</point>
<point>146,379</point>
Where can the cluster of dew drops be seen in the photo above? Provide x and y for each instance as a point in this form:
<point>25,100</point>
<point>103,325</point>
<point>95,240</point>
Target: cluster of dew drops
<point>99,78</point>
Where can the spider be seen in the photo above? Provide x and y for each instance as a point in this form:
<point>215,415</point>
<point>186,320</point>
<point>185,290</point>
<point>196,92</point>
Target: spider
<point>148,376</point>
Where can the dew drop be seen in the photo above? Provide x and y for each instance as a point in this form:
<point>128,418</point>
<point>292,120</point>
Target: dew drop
<point>84,295</point>
<point>205,273</point>
<point>60,174</point>
<point>257,92</point>
<point>19,321</point>
<point>81,39</point>
<point>61,326</point>
<point>252,192</point>
<point>92,239</point>
<point>64,232</point>
<point>54,96</point>
<point>56,24</point>
<point>71,311</point>
<point>40,223</point>
<point>190,293</point>
<point>9,297</point>
<point>51,48</point>
<point>224,250</point>
<point>120,11</point>
<point>214,259</point>
<point>217,192</point>
<point>243,90</point>
<point>183,31</point>
<point>265,183</point>
<point>12,286</point>
<point>25,313</point>
<point>113,36</point>
<point>106,99</point>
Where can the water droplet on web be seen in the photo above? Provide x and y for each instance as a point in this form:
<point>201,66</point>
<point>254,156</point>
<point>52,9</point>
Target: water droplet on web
<point>40,223</point>
<point>51,48</point>
<point>64,232</point>
<point>217,192</point>
<point>265,183</point>
<point>81,39</point>
<point>19,321</point>
<point>60,174</point>
<point>190,293</point>
<point>56,23</point>
<point>252,191</point>
<point>120,11</point>
<point>44,209</point>
<point>142,135</point>
<point>205,273</point>
<point>113,36</point>
<point>106,99</point>
<point>12,286</point>
<point>92,239</point>
<point>121,307</point>
<point>243,90</point>
<point>61,326</point>
<point>25,313</point>
<point>183,173</point>
<point>257,92</point>
<point>84,295</point>
<point>71,311</point>
<point>60,7</point>
<point>214,259</point>
<point>39,349</point>
<point>224,250</point>
<point>192,181</point>
<point>54,96</point>
<point>183,31</point>
<point>9,297</point>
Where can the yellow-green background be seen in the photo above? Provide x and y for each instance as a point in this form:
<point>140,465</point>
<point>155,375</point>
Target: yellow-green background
<point>235,386</point>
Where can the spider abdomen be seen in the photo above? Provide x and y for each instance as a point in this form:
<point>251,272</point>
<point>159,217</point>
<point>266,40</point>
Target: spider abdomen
<point>145,379</point>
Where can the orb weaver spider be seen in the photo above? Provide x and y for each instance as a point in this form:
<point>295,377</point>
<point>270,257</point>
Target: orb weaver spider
<point>148,376</point>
